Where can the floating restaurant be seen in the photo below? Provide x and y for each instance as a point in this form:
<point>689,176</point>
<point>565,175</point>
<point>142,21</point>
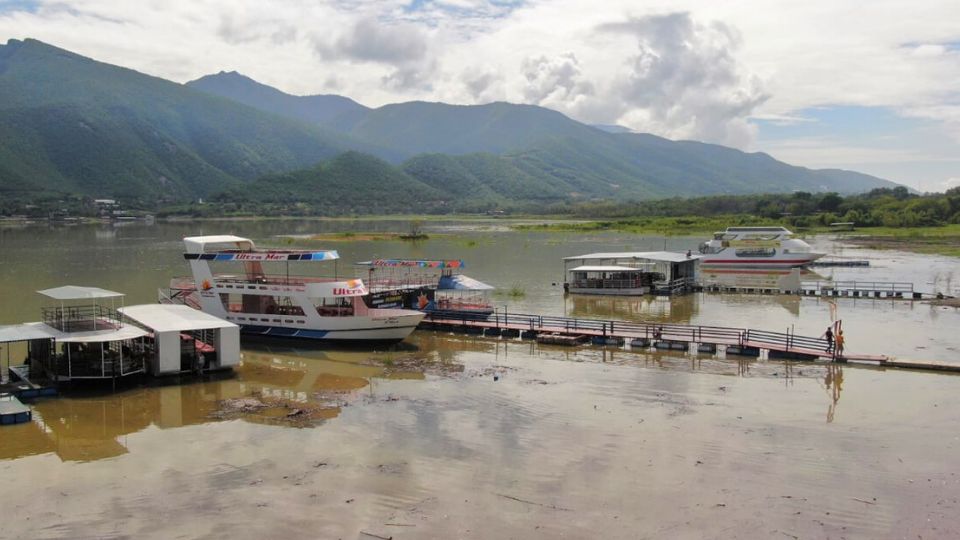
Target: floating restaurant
<point>631,273</point>
<point>84,335</point>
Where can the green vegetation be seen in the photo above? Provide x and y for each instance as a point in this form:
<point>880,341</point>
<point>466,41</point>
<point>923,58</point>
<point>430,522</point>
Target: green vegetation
<point>884,218</point>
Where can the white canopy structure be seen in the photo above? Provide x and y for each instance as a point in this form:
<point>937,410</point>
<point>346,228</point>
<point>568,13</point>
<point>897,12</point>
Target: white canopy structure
<point>197,244</point>
<point>173,318</point>
<point>73,292</point>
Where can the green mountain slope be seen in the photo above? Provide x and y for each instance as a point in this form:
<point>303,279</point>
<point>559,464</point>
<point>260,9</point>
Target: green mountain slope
<point>69,123</point>
<point>317,109</point>
<point>349,183</point>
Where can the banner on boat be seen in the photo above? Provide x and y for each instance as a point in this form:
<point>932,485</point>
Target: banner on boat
<point>262,256</point>
<point>353,287</point>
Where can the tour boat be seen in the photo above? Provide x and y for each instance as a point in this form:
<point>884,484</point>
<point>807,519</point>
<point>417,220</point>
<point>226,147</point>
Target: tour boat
<point>279,304</point>
<point>765,247</point>
<point>426,285</point>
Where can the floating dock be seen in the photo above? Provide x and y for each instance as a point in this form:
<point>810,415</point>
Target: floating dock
<point>680,337</point>
<point>12,411</point>
<point>846,289</point>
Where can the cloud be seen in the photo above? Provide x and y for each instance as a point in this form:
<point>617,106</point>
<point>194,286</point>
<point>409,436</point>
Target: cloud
<point>685,81</point>
<point>555,82</point>
<point>372,40</point>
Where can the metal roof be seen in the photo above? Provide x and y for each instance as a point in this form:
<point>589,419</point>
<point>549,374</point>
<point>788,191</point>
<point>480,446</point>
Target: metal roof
<point>196,244</point>
<point>39,330</point>
<point>607,269</point>
<point>462,283</point>
<point>26,332</point>
<point>173,318</point>
<point>664,256</point>
<point>73,292</point>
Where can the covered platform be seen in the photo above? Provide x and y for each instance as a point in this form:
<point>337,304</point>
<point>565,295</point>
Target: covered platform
<point>186,339</point>
<point>670,272</point>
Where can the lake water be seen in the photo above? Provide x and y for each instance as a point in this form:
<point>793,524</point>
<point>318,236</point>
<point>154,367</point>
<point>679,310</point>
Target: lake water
<point>450,436</point>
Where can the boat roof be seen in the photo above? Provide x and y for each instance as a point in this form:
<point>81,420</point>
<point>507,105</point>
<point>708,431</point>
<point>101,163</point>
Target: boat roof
<point>420,263</point>
<point>244,250</point>
<point>173,318</point>
<point>461,282</point>
<point>661,256</point>
<point>39,330</point>
<point>197,244</point>
<point>607,269</point>
<point>73,292</point>
<point>758,229</point>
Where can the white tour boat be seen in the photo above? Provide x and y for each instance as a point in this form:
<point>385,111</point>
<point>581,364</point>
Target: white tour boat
<point>766,247</point>
<point>281,305</point>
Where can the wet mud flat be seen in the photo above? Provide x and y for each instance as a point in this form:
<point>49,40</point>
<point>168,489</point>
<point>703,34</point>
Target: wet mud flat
<point>526,443</point>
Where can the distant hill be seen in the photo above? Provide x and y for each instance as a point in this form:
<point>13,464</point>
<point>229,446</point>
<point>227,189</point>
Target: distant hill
<point>72,124</point>
<point>316,109</point>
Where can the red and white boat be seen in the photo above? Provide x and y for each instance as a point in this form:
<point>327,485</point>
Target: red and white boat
<point>756,247</point>
<point>279,304</point>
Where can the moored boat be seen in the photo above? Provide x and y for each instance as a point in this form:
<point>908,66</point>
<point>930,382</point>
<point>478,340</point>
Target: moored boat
<point>766,247</point>
<point>279,304</point>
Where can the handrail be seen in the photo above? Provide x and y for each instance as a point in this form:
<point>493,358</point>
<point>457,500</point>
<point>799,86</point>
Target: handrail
<point>649,330</point>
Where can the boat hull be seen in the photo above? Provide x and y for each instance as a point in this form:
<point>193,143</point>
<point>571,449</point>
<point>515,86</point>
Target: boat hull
<point>727,261</point>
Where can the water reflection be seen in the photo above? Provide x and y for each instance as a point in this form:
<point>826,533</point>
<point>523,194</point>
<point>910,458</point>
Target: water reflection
<point>633,308</point>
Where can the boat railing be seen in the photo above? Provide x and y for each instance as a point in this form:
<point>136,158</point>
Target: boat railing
<point>275,279</point>
<point>651,331</point>
<point>890,287</point>
<point>80,318</point>
<point>607,283</point>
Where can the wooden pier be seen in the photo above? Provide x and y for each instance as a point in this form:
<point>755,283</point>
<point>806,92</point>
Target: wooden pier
<point>680,337</point>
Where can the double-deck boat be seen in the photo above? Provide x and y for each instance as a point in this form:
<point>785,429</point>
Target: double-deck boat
<point>766,247</point>
<point>279,304</point>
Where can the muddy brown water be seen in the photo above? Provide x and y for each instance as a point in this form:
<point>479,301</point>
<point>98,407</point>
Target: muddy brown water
<point>450,436</point>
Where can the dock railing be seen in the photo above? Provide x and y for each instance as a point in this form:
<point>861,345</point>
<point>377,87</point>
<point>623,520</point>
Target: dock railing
<point>718,335</point>
<point>888,287</point>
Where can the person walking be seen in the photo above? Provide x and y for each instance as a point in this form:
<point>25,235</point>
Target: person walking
<point>828,335</point>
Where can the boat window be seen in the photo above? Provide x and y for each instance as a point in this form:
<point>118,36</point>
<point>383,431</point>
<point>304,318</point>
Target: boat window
<point>756,252</point>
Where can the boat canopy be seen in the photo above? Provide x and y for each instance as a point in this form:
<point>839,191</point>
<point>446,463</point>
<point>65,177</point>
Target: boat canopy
<point>460,282</point>
<point>73,292</point>
<point>608,268</point>
<point>173,318</point>
<point>662,256</point>
<point>39,330</point>
<point>26,332</point>
<point>418,263</point>
<point>198,244</point>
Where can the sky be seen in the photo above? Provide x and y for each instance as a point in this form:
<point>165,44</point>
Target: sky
<point>866,86</point>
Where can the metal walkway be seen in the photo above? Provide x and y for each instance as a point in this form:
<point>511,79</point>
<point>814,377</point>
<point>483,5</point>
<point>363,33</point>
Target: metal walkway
<point>739,341</point>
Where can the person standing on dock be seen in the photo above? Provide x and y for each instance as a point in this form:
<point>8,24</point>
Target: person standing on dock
<point>840,342</point>
<point>828,335</point>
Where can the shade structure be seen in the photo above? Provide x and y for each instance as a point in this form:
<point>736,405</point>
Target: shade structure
<point>173,317</point>
<point>74,292</point>
<point>460,282</point>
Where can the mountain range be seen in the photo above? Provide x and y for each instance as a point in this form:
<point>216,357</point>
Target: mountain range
<point>70,124</point>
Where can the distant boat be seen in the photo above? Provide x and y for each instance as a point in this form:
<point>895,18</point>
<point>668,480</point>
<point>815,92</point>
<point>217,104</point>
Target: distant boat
<point>765,247</point>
